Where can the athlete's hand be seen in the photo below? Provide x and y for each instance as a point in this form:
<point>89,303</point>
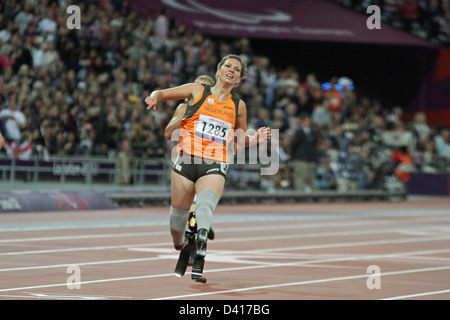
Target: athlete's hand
<point>151,102</point>
<point>153,99</point>
<point>264,134</point>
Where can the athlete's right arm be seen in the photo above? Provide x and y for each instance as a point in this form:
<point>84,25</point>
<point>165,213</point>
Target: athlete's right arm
<point>190,90</point>
<point>175,122</point>
<point>2,141</point>
<point>262,134</point>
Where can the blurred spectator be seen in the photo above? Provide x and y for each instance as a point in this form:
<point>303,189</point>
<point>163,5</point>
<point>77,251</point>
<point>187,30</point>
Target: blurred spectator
<point>397,135</point>
<point>391,10</point>
<point>355,169</point>
<point>291,117</point>
<point>314,94</point>
<point>2,140</point>
<point>47,24</point>
<point>38,143</point>
<point>261,119</point>
<point>13,120</point>
<point>87,136</point>
<point>24,17</point>
<point>409,13</point>
<point>429,158</point>
<point>38,53</point>
<point>443,144</point>
<point>279,121</point>
<point>6,33</point>
<point>304,156</point>
<point>334,98</point>
<point>402,163</point>
<point>420,126</point>
<point>7,58</point>
<point>321,115</point>
<point>442,24</point>
<point>20,150</point>
<point>123,163</point>
<point>326,176</point>
<point>69,145</point>
<point>162,26</point>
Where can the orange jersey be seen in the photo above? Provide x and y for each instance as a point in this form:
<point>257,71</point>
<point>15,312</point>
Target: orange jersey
<point>207,127</point>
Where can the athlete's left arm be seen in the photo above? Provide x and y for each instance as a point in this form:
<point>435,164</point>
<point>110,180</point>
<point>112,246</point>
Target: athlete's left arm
<point>185,91</point>
<point>262,134</point>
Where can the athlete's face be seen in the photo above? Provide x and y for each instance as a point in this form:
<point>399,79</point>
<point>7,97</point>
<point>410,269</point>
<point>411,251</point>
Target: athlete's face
<point>230,72</point>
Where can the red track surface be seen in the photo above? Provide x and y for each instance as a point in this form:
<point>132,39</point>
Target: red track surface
<point>261,252</point>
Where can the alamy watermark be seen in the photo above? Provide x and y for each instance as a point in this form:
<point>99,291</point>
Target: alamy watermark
<point>374,280</point>
<point>74,280</point>
<point>74,20</point>
<point>374,21</point>
<point>265,153</point>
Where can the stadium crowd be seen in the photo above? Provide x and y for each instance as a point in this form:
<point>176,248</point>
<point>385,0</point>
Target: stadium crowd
<point>79,92</point>
<point>428,19</point>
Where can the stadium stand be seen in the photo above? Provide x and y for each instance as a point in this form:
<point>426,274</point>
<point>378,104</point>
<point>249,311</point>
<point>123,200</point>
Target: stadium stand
<point>427,19</point>
<point>78,93</point>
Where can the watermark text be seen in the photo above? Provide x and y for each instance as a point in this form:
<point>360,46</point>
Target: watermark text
<point>374,280</point>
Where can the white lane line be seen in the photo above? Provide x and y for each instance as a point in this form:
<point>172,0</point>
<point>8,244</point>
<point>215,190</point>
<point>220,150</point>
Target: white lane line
<point>290,284</point>
<point>401,229</point>
<point>88,282</point>
<point>416,295</point>
<point>91,263</point>
<point>83,237</point>
<point>274,265</point>
<point>438,213</point>
<point>168,255</point>
<point>220,230</point>
<point>44,251</point>
<point>47,296</point>
<point>74,225</point>
<point>418,230</point>
<point>53,296</point>
<point>351,244</point>
<point>259,238</point>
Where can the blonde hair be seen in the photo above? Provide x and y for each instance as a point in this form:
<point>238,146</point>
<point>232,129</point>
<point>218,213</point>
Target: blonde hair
<point>204,79</point>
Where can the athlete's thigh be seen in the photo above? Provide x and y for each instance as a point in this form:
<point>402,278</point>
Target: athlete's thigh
<point>182,191</point>
<point>213,182</point>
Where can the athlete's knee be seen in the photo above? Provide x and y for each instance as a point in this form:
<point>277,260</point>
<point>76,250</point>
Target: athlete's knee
<point>207,199</point>
<point>206,203</point>
<point>178,219</point>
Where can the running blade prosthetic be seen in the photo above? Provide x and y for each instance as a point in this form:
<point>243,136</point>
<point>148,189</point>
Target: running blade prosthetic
<point>199,259</point>
<point>185,253</point>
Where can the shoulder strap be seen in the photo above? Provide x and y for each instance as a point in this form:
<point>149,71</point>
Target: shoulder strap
<point>236,104</point>
<point>191,110</point>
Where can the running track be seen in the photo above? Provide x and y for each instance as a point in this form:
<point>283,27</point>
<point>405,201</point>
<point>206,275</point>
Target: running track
<point>304,251</point>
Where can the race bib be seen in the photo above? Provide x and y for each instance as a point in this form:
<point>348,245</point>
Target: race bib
<point>213,129</point>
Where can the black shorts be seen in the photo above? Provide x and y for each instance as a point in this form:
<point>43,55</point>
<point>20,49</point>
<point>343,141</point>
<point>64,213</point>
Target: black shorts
<point>193,170</point>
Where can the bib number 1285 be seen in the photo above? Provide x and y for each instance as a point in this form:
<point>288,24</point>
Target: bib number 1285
<point>213,129</point>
